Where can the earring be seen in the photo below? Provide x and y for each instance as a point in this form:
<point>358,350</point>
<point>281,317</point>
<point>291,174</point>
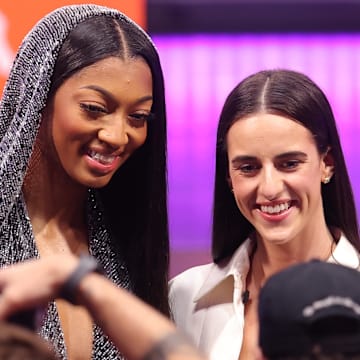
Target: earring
<point>326,180</point>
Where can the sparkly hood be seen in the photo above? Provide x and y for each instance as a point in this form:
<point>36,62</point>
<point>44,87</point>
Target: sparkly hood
<point>24,98</point>
<point>26,91</point>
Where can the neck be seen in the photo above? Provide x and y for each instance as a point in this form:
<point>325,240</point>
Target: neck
<point>50,194</point>
<point>269,258</point>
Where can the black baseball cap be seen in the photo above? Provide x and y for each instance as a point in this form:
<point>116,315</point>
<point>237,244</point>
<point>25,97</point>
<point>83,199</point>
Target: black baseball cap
<point>311,305</point>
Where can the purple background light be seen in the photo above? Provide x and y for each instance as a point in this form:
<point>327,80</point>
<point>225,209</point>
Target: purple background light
<point>200,71</point>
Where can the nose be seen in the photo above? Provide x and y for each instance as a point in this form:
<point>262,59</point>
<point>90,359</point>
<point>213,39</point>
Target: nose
<point>114,134</point>
<point>271,183</point>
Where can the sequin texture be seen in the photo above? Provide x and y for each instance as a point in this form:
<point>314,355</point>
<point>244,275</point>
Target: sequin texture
<point>24,97</point>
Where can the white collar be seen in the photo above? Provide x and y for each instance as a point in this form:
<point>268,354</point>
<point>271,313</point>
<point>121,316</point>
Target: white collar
<point>345,254</point>
<point>224,277</point>
<point>226,273</point>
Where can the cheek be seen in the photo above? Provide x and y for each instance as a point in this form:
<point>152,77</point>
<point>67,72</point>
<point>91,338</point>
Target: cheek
<point>308,181</point>
<point>311,187</point>
<point>244,194</point>
<point>143,135</point>
<point>243,187</point>
<point>233,178</point>
<point>242,199</point>
<point>66,129</point>
<point>139,137</point>
<point>60,125</point>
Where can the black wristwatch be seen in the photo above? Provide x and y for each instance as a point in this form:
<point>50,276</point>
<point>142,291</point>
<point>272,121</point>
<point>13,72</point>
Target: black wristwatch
<point>87,264</point>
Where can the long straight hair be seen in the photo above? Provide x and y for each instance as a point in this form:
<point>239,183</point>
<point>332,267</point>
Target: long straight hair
<point>135,200</point>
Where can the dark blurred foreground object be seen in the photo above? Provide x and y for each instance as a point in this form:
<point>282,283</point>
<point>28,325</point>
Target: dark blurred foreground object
<point>25,318</point>
<point>19,343</point>
<point>310,308</point>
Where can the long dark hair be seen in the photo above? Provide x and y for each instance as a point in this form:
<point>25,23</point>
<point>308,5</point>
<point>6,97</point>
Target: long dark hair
<point>135,200</point>
<point>294,96</point>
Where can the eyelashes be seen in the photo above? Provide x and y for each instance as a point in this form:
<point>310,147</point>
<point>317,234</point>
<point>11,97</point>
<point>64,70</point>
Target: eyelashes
<point>250,169</point>
<point>92,109</point>
<point>136,119</point>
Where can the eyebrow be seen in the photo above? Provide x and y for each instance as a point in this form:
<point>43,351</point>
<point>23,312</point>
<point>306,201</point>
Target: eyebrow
<point>107,94</point>
<point>242,158</point>
<point>296,154</point>
<point>289,154</point>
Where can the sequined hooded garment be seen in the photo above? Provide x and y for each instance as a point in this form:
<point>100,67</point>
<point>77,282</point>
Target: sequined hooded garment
<point>24,97</point>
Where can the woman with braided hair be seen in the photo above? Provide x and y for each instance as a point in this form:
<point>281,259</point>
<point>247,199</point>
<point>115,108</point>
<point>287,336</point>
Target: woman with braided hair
<point>83,156</point>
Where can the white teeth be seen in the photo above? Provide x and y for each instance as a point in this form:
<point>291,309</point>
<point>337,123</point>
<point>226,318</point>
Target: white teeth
<point>103,159</point>
<point>275,209</point>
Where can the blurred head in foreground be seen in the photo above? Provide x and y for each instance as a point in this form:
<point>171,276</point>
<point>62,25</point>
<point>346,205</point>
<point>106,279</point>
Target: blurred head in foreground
<point>311,311</point>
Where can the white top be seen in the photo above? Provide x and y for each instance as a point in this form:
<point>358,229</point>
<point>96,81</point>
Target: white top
<point>206,300</point>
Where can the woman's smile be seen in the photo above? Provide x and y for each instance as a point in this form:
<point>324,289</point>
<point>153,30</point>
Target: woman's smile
<point>276,184</point>
<point>99,119</point>
<point>102,164</point>
<point>276,212</point>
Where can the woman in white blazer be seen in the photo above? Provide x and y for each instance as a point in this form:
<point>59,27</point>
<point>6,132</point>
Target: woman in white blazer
<point>279,161</point>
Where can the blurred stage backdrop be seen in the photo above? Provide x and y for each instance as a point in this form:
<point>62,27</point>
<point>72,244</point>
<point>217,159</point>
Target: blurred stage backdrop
<point>206,48</point>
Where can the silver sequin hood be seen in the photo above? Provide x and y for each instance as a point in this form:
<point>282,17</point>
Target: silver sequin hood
<point>24,98</point>
<point>26,90</point>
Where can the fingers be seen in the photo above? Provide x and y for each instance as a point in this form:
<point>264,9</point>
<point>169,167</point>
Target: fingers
<point>33,282</point>
<point>10,303</point>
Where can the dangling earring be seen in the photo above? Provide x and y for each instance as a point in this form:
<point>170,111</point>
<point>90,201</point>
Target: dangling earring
<point>326,180</point>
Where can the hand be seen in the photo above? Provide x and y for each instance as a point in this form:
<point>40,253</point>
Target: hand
<point>32,283</point>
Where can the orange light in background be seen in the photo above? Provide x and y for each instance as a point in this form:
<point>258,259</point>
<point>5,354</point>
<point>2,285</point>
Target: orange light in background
<point>17,17</point>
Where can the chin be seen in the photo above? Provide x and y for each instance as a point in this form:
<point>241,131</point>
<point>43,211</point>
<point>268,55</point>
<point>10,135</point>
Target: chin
<point>98,184</point>
<point>95,183</point>
<point>277,241</point>
<point>276,238</point>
